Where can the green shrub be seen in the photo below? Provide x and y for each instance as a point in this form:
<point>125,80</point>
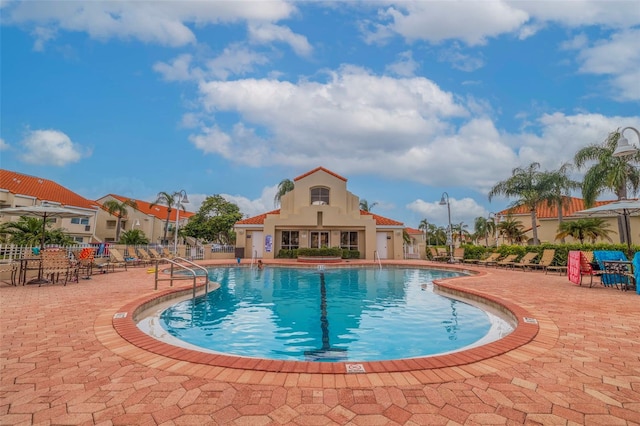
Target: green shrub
<point>321,252</point>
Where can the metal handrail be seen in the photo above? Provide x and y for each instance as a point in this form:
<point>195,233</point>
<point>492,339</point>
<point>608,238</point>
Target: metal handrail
<point>377,255</point>
<point>253,258</point>
<point>176,262</point>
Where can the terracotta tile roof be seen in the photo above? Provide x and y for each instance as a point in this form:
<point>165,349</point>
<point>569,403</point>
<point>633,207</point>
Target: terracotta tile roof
<point>412,231</point>
<point>159,210</point>
<point>381,220</point>
<point>259,220</point>
<point>43,190</point>
<point>544,211</point>
<point>318,169</point>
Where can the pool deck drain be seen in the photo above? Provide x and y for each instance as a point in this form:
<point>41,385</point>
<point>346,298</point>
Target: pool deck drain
<point>64,363</point>
<point>355,368</point>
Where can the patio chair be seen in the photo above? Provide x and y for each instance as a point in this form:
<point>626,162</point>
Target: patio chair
<point>587,267</point>
<point>167,254</point>
<point>490,260</point>
<point>526,261</point>
<point>56,263</point>
<point>85,261</point>
<point>507,260</point>
<point>10,268</point>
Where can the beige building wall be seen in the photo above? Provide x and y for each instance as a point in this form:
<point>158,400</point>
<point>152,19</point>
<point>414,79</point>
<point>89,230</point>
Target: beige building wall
<point>152,227</point>
<point>298,213</point>
<point>82,229</point>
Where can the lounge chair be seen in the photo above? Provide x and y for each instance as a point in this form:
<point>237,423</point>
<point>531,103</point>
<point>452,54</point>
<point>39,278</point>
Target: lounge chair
<point>85,258</point>
<point>458,254</point>
<point>155,255</point>
<point>119,259</point>
<point>546,260</point>
<point>526,261</point>
<point>507,260</point>
<point>490,260</point>
<point>437,255</point>
<point>167,254</point>
<point>144,256</point>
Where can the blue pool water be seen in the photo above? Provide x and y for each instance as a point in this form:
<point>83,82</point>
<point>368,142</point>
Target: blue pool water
<point>347,314</point>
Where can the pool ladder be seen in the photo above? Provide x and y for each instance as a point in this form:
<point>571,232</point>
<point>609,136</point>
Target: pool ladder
<point>177,265</point>
<point>376,255</point>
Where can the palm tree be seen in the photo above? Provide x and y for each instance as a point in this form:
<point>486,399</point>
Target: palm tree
<point>560,188</point>
<point>119,209</point>
<point>484,227</point>
<point>364,205</point>
<point>424,227</point>
<point>459,232</point>
<point>134,237</point>
<point>617,174</point>
<point>168,200</point>
<point>592,228</point>
<point>530,188</point>
<point>285,185</point>
<point>27,231</point>
<point>511,229</point>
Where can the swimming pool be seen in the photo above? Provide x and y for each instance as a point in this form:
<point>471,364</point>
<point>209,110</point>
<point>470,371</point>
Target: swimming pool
<point>336,314</point>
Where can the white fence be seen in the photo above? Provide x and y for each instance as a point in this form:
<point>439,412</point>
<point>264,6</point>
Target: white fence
<point>10,252</point>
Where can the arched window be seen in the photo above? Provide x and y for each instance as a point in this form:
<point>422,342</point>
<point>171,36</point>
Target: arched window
<point>320,195</point>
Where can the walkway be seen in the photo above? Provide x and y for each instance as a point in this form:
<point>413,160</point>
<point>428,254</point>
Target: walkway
<point>63,363</point>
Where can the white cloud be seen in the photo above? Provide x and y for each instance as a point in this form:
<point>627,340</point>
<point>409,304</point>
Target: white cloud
<point>179,69</point>
<point>3,145</point>
<point>461,61</point>
<point>471,22</point>
<point>50,147</point>
<point>405,66</point>
<point>235,60</point>
<point>166,23</point>
<point>267,33</point>
<point>618,57</point>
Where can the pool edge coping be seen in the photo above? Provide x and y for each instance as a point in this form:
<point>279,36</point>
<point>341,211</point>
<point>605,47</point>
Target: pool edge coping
<point>123,322</point>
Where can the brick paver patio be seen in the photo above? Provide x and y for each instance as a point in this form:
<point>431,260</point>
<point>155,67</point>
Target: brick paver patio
<point>62,362</point>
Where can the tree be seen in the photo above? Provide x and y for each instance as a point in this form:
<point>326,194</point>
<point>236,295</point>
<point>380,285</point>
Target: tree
<point>27,231</point>
<point>511,229</point>
<point>591,228</point>
<point>424,227</point>
<point>364,205</point>
<point>285,185</point>
<point>459,232</point>
<point>134,237</point>
<point>529,186</point>
<point>214,221</point>
<point>484,227</point>
<point>119,209</point>
<point>560,185</point>
<point>169,200</point>
<point>617,174</point>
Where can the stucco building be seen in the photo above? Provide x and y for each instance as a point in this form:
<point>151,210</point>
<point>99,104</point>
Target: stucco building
<point>320,212</point>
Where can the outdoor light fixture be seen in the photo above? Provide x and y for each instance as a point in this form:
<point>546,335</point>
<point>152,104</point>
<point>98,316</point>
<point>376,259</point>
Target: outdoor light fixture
<point>182,199</point>
<point>445,201</point>
<point>624,148</point>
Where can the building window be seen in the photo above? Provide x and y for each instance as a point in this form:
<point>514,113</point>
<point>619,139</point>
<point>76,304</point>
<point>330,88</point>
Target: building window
<point>290,240</point>
<point>80,220</point>
<point>319,239</point>
<point>78,239</point>
<point>111,224</point>
<point>349,240</point>
<point>320,195</point>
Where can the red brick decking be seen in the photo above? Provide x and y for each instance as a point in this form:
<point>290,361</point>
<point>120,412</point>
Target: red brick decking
<point>62,362</point>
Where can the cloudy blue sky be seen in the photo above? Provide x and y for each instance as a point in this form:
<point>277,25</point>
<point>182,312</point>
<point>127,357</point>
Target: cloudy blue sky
<point>405,99</point>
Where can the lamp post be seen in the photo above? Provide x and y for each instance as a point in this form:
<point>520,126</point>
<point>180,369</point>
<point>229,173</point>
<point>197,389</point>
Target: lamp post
<point>180,200</point>
<point>495,217</point>
<point>445,200</point>
<point>623,148</point>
